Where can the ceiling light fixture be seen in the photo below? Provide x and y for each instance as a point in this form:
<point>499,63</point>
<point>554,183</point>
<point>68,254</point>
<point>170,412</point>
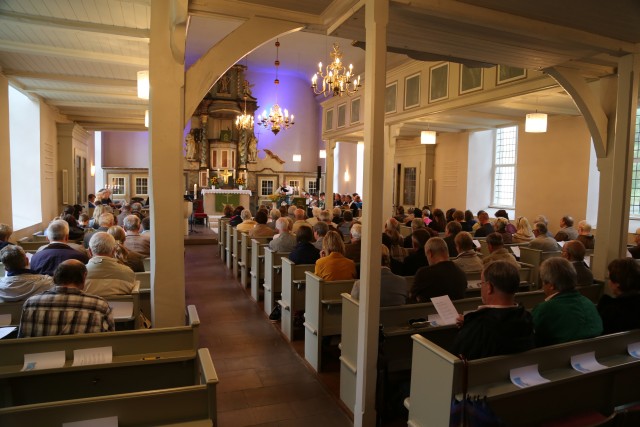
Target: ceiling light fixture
<point>244,121</point>
<point>323,154</point>
<point>143,84</point>
<point>428,137</point>
<point>146,118</point>
<point>336,80</point>
<point>297,157</point>
<point>536,123</point>
<point>276,120</point>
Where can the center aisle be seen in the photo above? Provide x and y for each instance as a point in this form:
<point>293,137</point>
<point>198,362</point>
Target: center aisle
<point>263,381</point>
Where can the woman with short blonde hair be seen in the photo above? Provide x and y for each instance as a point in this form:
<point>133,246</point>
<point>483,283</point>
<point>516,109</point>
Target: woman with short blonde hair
<point>333,265</point>
<point>523,233</point>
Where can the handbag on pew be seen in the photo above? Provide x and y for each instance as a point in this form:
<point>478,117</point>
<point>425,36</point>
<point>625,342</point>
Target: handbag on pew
<point>471,411</point>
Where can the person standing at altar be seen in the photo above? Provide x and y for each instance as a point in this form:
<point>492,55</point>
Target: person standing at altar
<point>285,193</point>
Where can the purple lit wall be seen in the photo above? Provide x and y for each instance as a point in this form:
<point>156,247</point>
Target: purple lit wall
<point>125,149</point>
<point>303,138</point>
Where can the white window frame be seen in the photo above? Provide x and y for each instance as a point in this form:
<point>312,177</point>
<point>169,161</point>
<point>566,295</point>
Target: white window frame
<point>261,180</point>
<point>635,172</point>
<point>495,168</point>
<point>134,187</point>
<point>125,188</point>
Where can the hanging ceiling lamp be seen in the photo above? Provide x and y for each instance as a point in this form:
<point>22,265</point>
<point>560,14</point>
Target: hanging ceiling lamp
<point>536,123</point>
<point>244,121</point>
<point>276,120</point>
<point>428,137</point>
<point>336,80</point>
<point>143,84</point>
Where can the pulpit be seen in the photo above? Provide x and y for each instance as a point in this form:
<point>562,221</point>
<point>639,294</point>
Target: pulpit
<point>215,200</point>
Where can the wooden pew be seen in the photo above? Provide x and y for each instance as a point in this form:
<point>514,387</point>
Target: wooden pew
<point>222,238</point>
<point>228,234</point>
<point>39,237</point>
<point>235,251</point>
<point>29,244</point>
<point>130,321</point>
<point>2,270</point>
<point>176,389</point>
<point>272,278</point>
<point>526,283</point>
<point>436,376</point>
<point>293,294</point>
<point>127,345</point>
<point>397,334</point>
<point>257,267</point>
<point>323,314</point>
<point>245,257</point>
<point>405,231</point>
<point>535,258</point>
<point>147,264</point>
<point>144,278</point>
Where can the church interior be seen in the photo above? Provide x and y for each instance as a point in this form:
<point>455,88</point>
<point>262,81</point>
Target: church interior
<point>434,87</point>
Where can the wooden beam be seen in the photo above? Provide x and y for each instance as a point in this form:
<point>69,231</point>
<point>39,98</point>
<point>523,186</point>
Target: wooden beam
<point>82,55</point>
<point>125,33</point>
<point>64,92</point>
<point>99,105</point>
<point>96,81</point>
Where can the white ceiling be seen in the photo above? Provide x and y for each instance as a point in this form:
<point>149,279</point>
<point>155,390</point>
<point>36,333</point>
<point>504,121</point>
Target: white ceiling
<point>81,56</point>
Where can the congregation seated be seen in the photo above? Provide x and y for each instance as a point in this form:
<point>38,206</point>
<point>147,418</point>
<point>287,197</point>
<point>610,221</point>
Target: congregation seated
<point>439,223</point>
<point>468,259</point>
<point>458,216</point>
<point>574,251</point>
<point>400,216</point>
<point>284,241</point>
<point>347,221</point>
<point>634,250</point>
<point>135,241</point>
<point>499,326</point>
<point>125,211</point>
<point>105,275</point>
<point>5,233</point>
<point>393,288</point>
<point>131,259</point>
<point>416,224</point>
<point>621,312</point>
<point>65,309</point>
<point>468,218</point>
<point>333,265</point>
<point>523,233</point>
<point>105,221</point>
<point>497,251</point>
<point>50,256</point>
<point>313,219</point>
<point>299,220</point>
<point>509,228</point>
<point>542,242</point>
<point>451,231</point>
<point>440,277</point>
<point>416,258</point>
<point>83,221</point>
<point>146,226</point>
<point>304,252</point>
<point>261,229</point>
<point>247,221</point>
<point>91,199</point>
<point>235,217</point>
<point>227,211</point>
<point>567,231</point>
<point>584,235</point>
<point>353,249</point>
<point>395,243</point>
<point>337,217</point>
<point>325,216</point>
<point>485,227</point>
<point>500,227</point>
<point>274,214</point>
<point>20,282</point>
<point>97,213</point>
<point>319,231</point>
<point>136,209</point>
<point>75,232</point>
<point>565,315</point>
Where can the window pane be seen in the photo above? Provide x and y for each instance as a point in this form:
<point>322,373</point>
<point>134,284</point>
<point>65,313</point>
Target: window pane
<point>409,186</point>
<point>504,178</point>
<point>504,183</point>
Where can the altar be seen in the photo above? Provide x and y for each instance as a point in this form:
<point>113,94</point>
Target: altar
<point>214,200</point>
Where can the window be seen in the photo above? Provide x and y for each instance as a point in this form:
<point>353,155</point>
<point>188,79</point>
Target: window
<point>504,167</point>
<point>266,187</point>
<point>118,185</point>
<point>295,185</point>
<point>142,185</point>
<point>311,185</point>
<point>635,174</point>
<point>24,152</point>
<point>409,187</point>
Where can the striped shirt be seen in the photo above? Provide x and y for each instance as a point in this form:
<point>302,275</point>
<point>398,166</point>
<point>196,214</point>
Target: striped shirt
<point>64,310</point>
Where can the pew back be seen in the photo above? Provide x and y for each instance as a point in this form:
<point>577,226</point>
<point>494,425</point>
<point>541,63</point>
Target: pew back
<point>257,267</point>
<point>228,234</point>
<point>436,376</point>
<point>293,293</point>
<point>272,277</point>
<point>535,257</point>
<point>323,314</point>
<point>222,237</point>
<point>235,251</point>
<point>29,244</point>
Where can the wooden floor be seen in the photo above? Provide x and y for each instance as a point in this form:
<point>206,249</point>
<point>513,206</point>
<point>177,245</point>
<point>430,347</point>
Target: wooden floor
<point>263,380</point>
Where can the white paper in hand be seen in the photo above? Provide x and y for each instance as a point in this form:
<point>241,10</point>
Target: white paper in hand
<point>445,309</point>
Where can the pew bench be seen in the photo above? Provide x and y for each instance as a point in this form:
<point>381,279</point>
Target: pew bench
<point>144,278</point>
<point>293,294</point>
<point>31,244</point>
<point>436,376</point>
<point>397,332</point>
<point>535,257</point>
<point>272,278</point>
<point>228,234</point>
<point>222,238</point>
<point>127,320</point>
<point>140,393</point>
<point>323,314</point>
<point>257,267</point>
<point>235,251</point>
<point>246,258</point>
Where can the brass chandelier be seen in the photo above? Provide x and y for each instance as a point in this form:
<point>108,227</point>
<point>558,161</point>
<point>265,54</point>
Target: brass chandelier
<point>336,80</point>
<point>277,119</point>
<point>244,121</point>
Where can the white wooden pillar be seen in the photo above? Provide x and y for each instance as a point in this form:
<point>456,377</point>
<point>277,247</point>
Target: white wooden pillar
<point>166,73</point>
<point>616,169</point>
<point>388,194</point>
<point>6,215</point>
<point>376,18</point>
<point>328,182</point>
